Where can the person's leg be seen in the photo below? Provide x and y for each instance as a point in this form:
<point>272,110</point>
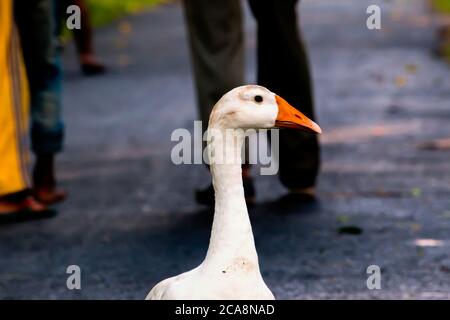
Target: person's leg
<point>14,116</point>
<point>38,34</point>
<point>217,49</point>
<point>284,69</point>
<point>84,42</point>
<point>217,52</point>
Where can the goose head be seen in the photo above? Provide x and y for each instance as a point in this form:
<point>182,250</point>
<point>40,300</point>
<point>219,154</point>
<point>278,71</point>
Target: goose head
<point>255,107</point>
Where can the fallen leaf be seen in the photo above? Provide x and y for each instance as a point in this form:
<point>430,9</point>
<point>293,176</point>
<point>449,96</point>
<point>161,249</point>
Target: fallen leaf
<point>400,81</point>
<point>343,218</point>
<point>353,230</point>
<point>411,68</point>
<point>124,27</point>
<point>416,192</point>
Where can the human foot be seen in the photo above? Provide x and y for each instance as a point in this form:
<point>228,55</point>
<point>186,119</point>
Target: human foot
<point>21,207</point>
<point>44,182</point>
<point>301,195</point>
<point>90,66</point>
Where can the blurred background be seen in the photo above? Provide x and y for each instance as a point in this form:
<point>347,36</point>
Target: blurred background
<point>130,220</point>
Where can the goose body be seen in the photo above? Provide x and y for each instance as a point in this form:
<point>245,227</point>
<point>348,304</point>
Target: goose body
<point>230,269</point>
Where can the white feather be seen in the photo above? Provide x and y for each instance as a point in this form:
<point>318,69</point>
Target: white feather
<point>230,269</point>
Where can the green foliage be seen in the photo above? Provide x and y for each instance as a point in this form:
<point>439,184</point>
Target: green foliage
<point>446,51</point>
<point>105,11</point>
<point>441,5</point>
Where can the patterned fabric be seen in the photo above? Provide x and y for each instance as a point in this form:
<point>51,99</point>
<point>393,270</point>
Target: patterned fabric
<point>38,25</point>
<point>14,104</point>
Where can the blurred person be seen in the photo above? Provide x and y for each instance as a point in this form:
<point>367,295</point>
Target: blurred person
<point>15,199</point>
<point>38,24</point>
<point>216,41</point>
<point>83,37</point>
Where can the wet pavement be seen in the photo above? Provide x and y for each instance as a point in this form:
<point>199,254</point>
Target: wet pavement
<point>131,219</point>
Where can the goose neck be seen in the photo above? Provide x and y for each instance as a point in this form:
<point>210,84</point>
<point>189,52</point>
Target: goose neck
<point>231,236</point>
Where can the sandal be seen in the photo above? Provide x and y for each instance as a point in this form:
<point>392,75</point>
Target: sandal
<point>29,209</point>
<point>49,197</point>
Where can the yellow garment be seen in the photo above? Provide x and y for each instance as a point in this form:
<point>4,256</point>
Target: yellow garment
<point>14,104</point>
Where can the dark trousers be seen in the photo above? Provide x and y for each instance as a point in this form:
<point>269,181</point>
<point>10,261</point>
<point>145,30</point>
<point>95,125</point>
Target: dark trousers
<point>283,67</point>
<point>216,41</point>
<point>38,29</point>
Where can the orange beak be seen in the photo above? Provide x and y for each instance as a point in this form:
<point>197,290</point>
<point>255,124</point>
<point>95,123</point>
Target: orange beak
<point>289,117</point>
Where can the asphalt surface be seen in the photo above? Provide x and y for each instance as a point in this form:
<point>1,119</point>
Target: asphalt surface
<point>131,219</point>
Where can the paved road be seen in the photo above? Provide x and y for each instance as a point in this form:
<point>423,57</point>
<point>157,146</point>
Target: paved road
<point>129,221</point>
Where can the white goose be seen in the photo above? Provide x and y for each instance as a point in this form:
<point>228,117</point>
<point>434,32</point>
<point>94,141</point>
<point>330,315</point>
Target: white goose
<point>230,269</point>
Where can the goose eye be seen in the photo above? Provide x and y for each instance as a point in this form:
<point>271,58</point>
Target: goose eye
<point>258,99</point>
